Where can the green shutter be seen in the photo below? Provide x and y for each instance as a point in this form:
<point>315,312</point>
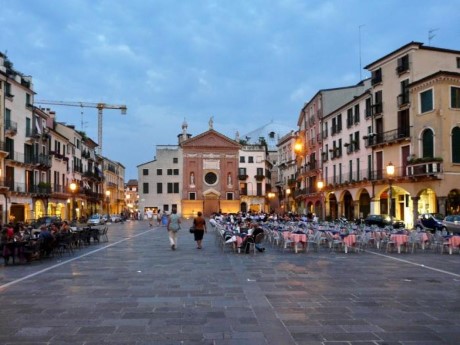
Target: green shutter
<point>428,147</point>
<point>455,97</point>
<point>456,145</point>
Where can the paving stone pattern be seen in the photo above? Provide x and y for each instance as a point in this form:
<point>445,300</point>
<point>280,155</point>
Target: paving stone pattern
<point>135,290</point>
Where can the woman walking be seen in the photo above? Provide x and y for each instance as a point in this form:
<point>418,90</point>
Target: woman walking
<point>200,228</point>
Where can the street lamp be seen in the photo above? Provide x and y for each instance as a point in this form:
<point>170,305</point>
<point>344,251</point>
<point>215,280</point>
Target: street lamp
<point>107,195</point>
<point>73,189</point>
<point>298,147</point>
<point>320,186</point>
<point>390,173</point>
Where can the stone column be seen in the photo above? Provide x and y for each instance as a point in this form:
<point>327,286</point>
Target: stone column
<point>415,200</point>
<point>356,209</point>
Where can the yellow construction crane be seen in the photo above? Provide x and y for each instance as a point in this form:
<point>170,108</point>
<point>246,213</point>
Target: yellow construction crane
<point>99,106</point>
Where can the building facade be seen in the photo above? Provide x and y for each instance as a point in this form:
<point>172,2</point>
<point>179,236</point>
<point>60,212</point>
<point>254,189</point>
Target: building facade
<point>407,118</point>
<point>41,158</point>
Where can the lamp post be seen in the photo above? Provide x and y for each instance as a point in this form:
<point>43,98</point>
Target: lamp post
<point>107,197</point>
<point>271,196</point>
<point>73,190</point>
<point>288,206</point>
<point>320,186</point>
<point>390,173</point>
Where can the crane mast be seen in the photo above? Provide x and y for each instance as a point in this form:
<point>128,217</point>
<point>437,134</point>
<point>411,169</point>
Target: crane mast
<point>99,106</point>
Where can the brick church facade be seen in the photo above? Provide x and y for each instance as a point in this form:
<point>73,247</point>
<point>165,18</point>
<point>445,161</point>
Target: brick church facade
<point>210,174</point>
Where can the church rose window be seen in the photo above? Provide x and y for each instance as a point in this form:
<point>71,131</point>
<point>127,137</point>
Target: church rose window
<point>210,178</point>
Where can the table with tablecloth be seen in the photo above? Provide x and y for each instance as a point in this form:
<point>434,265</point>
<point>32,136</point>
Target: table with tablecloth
<point>400,240</point>
<point>454,242</point>
<point>349,241</point>
<point>295,238</point>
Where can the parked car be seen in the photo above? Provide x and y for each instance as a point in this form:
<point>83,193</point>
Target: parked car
<point>115,218</point>
<point>46,220</point>
<point>452,223</point>
<point>96,219</point>
<point>382,220</point>
<point>430,222</point>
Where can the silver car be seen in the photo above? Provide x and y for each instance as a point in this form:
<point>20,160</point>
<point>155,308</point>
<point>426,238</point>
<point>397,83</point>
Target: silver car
<point>452,223</point>
<point>96,219</point>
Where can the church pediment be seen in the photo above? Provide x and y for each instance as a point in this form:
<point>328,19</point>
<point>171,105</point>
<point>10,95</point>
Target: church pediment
<point>210,139</point>
<point>211,193</point>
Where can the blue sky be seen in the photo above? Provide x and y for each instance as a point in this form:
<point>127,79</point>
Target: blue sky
<point>245,62</point>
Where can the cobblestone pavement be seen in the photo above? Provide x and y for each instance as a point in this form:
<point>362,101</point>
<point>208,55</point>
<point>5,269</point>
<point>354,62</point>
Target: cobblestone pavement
<point>135,290</point>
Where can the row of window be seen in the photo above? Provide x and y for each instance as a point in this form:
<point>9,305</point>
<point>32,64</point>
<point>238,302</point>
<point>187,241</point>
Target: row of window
<point>250,159</point>
<point>169,172</point>
<point>171,188</point>
<point>402,67</point>
<point>427,99</point>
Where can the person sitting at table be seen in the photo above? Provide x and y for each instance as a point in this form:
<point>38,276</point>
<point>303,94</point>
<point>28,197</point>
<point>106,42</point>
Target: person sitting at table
<point>47,240</point>
<point>65,227</point>
<point>54,229</point>
<point>251,239</point>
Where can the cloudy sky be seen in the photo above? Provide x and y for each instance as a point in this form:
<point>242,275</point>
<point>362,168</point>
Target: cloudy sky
<point>245,62</point>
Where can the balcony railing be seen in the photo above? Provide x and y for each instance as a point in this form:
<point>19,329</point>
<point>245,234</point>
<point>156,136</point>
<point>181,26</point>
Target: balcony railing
<point>377,79</point>
<point>11,127</point>
<point>259,177</point>
<point>387,137</point>
<point>42,160</point>
<point>425,168</point>
<point>377,108</point>
<point>403,99</point>
<point>403,67</point>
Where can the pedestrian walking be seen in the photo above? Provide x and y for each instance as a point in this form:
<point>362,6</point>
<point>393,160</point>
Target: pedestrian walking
<point>159,217</point>
<point>199,223</point>
<point>149,213</point>
<point>173,227</point>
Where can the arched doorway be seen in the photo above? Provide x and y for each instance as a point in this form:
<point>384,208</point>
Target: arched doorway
<point>333,207</point>
<point>364,204</point>
<point>427,202</point>
<point>348,207</point>
<point>244,207</point>
<point>453,202</point>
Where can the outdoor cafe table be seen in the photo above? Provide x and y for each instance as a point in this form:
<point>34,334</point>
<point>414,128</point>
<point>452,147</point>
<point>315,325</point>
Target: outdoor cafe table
<point>400,240</point>
<point>454,241</point>
<point>349,241</point>
<point>295,238</point>
<point>423,237</point>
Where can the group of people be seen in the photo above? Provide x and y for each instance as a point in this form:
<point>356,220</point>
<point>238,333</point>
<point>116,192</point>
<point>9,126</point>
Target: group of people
<point>151,217</point>
<point>21,241</point>
<point>174,225</point>
<point>244,225</point>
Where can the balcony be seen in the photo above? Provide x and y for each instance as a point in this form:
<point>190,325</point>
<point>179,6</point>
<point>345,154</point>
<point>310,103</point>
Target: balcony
<point>376,80</point>
<point>11,128</point>
<point>427,166</point>
<point>403,99</point>
<point>41,188</point>
<point>43,161</point>
<point>242,177</point>
<point>259,177</point>
<point>368,112</point>
<point>388,137</point>
<point>377,108</point>
<point>402,68</point>
<point>92,176</point>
